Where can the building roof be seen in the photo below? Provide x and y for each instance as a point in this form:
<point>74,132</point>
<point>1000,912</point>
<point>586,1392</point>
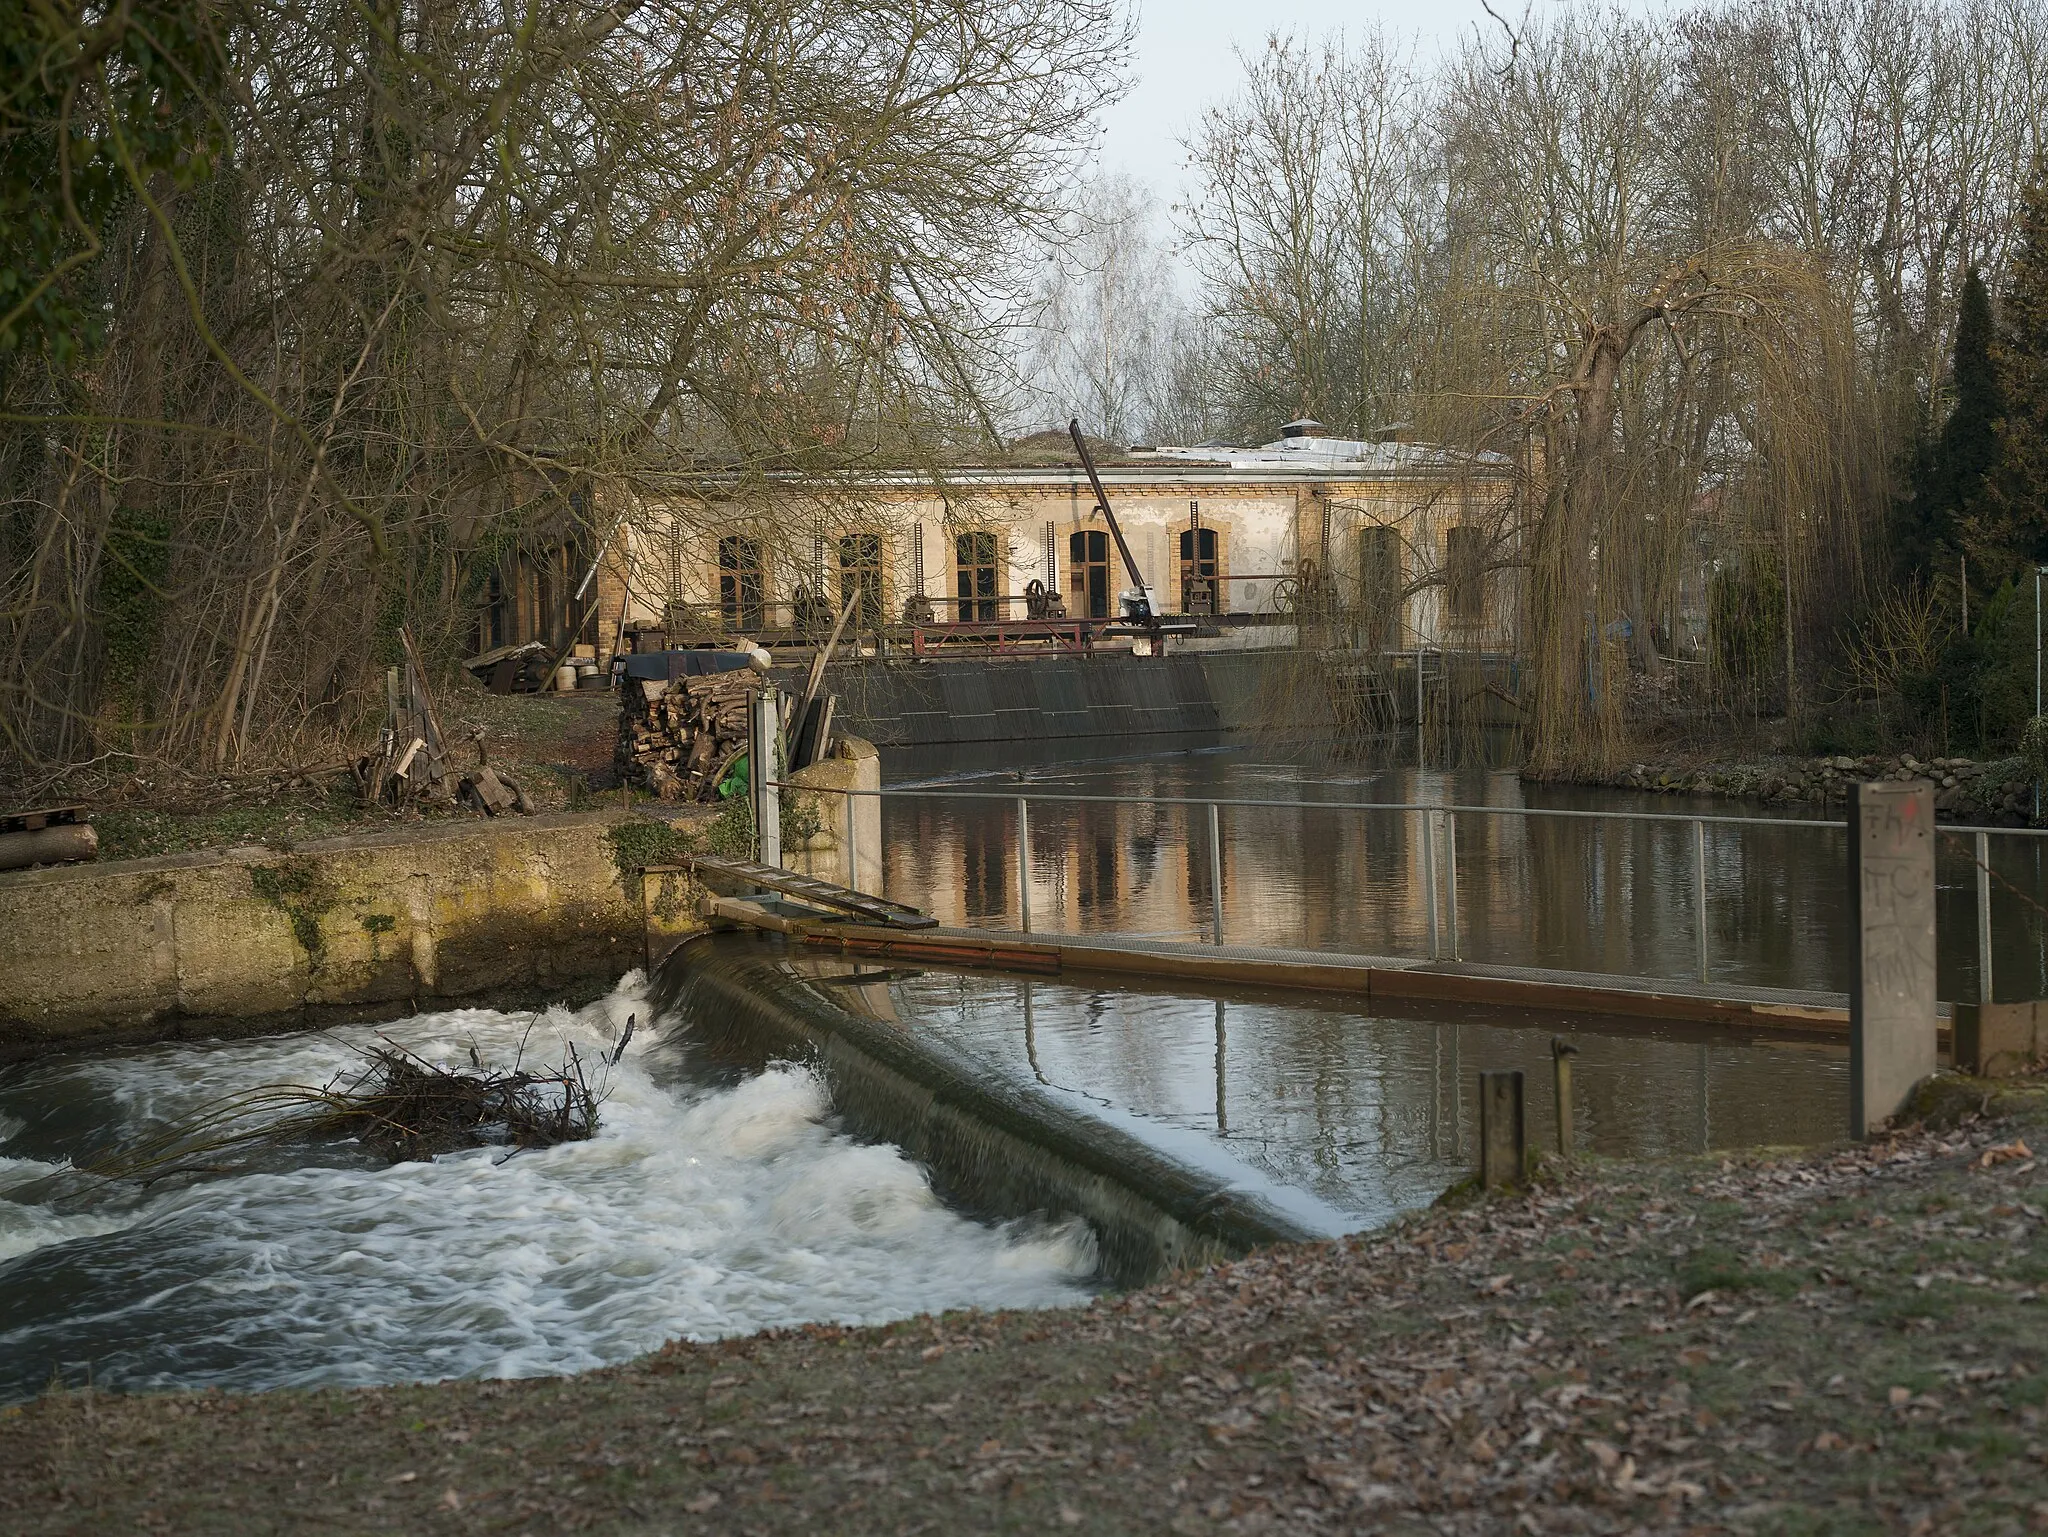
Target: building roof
<point>1323,456</point>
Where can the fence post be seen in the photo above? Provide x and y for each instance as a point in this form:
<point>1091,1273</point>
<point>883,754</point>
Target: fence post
<point>1451,878</point>
<point>1429,874</point>
<point>1699,895</point>
<point>761,772</point>
<point>1215,875</point>
<point>1983,917</point>
<point>1561,1054</point>
<point>1023,865</point>
<point>852,845</point>
<point>1502,1143</point>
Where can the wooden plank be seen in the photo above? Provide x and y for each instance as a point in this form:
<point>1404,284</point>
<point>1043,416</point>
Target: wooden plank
<point>817,672</point>
<point>997,955</point>
<point>437,742</point>
<point>1353,980</point>
<point>1647,1002</point>
<point>1365,984</point>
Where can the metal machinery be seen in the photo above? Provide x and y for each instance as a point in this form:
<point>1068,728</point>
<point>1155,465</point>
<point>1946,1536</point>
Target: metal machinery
<point>1140,604</point>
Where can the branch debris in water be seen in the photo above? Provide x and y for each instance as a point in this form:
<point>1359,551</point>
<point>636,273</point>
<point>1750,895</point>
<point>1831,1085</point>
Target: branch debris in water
<point>394,1103</point>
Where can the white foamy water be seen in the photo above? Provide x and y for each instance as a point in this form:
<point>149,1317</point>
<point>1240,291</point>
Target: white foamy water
<point>694,1212</point>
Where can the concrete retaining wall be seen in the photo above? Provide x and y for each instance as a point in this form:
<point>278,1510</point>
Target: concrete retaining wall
<point>346,926</point>
<point>820,794</point>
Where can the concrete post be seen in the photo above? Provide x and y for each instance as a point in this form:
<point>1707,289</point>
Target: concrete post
<point>1502,1140</point>
<point>1891,987</point>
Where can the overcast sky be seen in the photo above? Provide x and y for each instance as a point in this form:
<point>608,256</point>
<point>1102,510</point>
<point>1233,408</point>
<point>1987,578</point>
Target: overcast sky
<point>1186,59</point>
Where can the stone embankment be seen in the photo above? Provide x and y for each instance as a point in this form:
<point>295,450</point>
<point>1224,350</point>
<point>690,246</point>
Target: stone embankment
<point>254,937</point>
<point>1998,792</point>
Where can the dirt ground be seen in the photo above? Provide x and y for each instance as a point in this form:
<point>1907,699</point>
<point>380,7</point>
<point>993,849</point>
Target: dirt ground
<point>559,747</point>
<point>1840,1341</point>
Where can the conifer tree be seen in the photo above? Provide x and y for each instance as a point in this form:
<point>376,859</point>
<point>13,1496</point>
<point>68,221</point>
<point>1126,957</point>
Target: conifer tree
<point>1946,512</point>
<point>2019,492</point>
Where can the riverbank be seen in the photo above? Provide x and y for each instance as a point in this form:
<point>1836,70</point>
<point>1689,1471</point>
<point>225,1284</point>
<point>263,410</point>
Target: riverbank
<point>1999,792</point>
<point>558,747</point>
<point>256,938</point>
<point>1840,1340</point>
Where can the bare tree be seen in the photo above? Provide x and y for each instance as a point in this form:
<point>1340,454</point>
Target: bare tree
<point>1102,338</point>
<point>462,281</point>
<point>1697,272</point>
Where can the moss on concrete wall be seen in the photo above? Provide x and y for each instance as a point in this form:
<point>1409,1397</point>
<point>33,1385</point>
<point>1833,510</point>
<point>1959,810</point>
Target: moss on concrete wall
<point>359,923</point>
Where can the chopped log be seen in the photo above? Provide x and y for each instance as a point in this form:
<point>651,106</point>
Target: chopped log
<point>59,844</point>
<point>490,793</point>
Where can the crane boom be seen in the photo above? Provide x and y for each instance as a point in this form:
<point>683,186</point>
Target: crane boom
<point>1145,612</point>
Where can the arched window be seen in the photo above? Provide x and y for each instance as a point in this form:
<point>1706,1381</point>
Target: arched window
<point>1465,574</point>
<point>1198,572</point>
<point>977,576</point>
<point>860,575</point>
<point>741,582</point>
<point>1088,573</point>
<point>1379,586</point>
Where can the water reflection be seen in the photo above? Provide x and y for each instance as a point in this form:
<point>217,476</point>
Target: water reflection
<point>1570,894</point>
<point>1374,1113</point>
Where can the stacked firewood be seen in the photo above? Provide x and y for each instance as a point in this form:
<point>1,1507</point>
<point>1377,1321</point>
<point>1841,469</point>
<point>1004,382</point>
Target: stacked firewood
<point>680,739</point>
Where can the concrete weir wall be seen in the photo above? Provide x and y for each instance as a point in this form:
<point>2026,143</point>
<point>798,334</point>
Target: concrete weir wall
<point>357,925</point>
<point>904,704</point>
<point>1006,1149</point>
<point>1114,695</point>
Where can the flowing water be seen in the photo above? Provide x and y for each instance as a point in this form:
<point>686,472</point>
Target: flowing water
<point>1369,1113</point>
<point>1570,894</point>
<point>703,1207</point>
<point>710,1204</point>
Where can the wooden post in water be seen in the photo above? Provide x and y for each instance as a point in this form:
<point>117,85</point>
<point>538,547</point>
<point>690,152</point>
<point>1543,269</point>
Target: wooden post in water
<point>1502,1142</point>
<point>1429,875</point>
<point>1891,985</point>
<point>1983,863</point>
<point>1561,1054</point>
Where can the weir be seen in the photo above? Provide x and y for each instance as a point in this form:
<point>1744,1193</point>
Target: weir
<point>1001,1148</point>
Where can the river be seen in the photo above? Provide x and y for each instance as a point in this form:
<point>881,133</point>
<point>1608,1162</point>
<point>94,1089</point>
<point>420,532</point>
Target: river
<point>711,1204</point>
<point>1582,895</point>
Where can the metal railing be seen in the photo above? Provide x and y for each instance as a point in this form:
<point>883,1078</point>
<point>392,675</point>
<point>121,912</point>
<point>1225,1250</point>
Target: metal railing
<point>1438,850</point>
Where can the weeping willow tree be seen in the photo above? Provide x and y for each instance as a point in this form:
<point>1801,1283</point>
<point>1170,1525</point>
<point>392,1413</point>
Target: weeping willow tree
<point>1696,272</point>
<point>426,283</point>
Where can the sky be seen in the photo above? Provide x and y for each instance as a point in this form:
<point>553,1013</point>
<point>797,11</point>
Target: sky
<point>1186,59</point>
